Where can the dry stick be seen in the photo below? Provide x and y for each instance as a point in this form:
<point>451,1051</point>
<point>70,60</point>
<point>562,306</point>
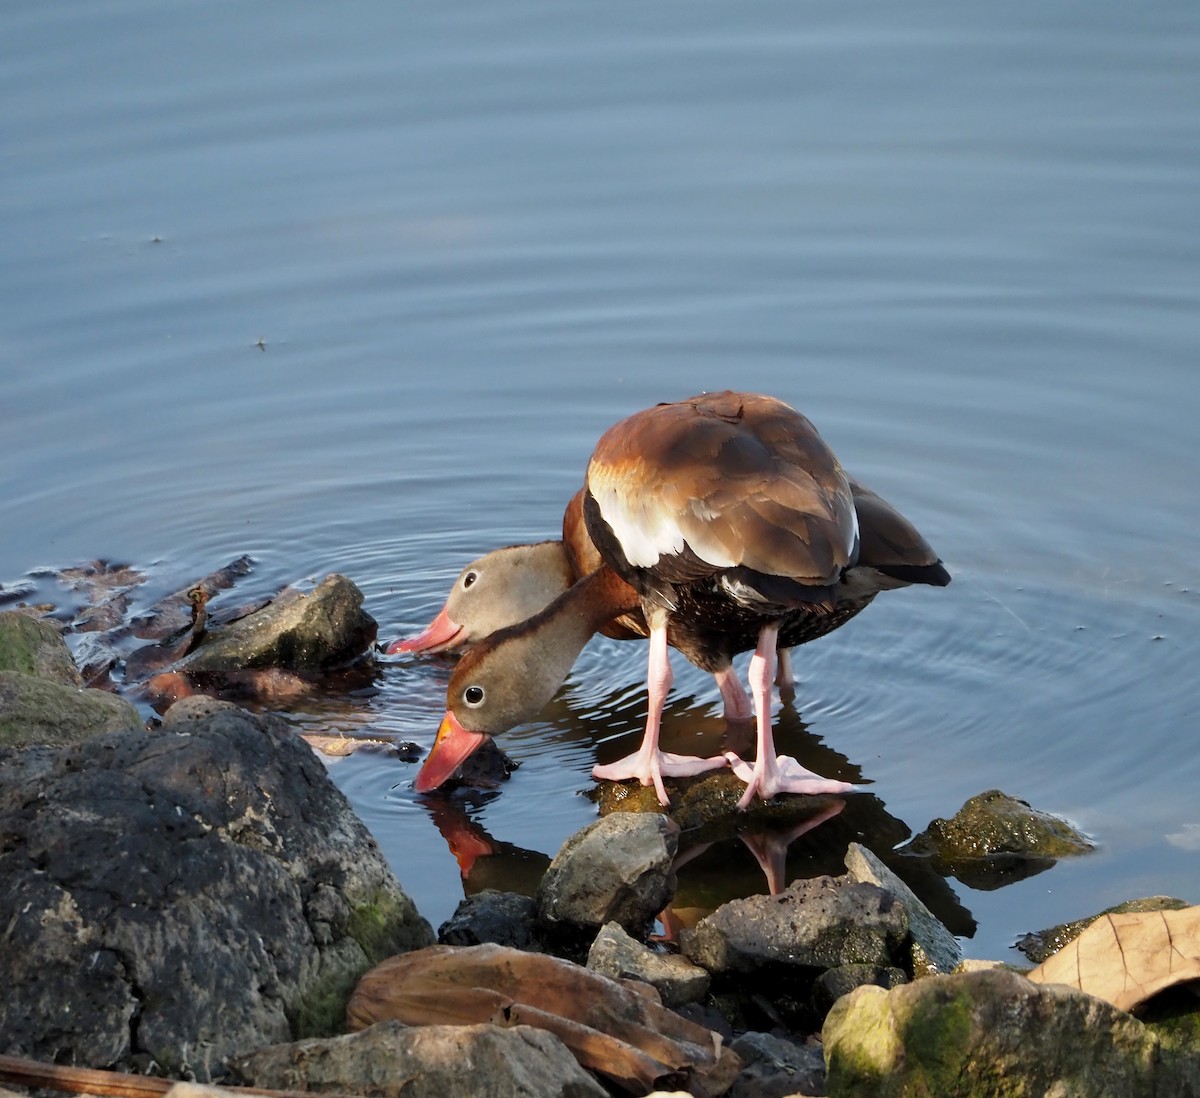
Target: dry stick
<point>33,1073</point>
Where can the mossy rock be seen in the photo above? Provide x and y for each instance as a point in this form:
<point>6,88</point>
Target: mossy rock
<point>994,1033</point>
<point>995,839</point>
<point>34,647</point>
<point>34,710</point>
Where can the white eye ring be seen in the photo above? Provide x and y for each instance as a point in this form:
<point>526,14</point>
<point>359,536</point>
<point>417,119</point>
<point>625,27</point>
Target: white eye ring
<point>473,696</point>
<point>469,579</point>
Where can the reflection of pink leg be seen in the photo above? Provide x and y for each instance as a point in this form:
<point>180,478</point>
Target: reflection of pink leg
<point>648,764</point>
<point>737,702</point>
<point>770,847</point>
<point>770,775</point>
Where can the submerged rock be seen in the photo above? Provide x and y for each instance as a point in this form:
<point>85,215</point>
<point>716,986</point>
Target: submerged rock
<point>995,1033</point>
<point>617,869</point>
<point>995,839</point>
<point>389,1059</point>
<point>171,899</point>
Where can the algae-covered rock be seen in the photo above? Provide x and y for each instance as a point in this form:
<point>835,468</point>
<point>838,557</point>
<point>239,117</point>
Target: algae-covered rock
<point>34,710</point>
<point>994,1033</point>
<point>1040,944</point>
<point>34,647</point>
<point>995,839</point>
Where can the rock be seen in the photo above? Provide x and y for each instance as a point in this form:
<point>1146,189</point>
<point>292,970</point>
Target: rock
<point>934,948</point>
<point>614,953</point>
<point>34,710</point>
<point>995,1033</point>
<point>390,1060</point>
<point>171,899</point>
<point>995,839</point>
<point>617,869</point>
<point>322,630</point>
<point>776,1068</point>
<point>833,983</point>
<point>34,647</point>
<point>819,923</point>
<point>1038,945</point>
<point>505,918</point>
<point>698,803</point>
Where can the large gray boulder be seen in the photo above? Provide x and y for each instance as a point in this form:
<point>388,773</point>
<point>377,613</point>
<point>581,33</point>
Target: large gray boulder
<point>173,898</point>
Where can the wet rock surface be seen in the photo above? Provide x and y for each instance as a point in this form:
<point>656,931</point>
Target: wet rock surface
<point>389,1059</point>
<point>995,1033</point>
<point>617,869</point>
<point>173,898</point>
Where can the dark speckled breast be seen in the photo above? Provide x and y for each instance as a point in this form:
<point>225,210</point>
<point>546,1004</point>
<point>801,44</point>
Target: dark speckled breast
<point>709,628</point>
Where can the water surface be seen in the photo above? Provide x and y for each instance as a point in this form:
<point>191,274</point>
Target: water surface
<point>357,289</point>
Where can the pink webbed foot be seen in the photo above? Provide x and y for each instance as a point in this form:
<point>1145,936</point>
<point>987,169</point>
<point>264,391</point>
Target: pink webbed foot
<point>651,767</point>
<point>781,774</point>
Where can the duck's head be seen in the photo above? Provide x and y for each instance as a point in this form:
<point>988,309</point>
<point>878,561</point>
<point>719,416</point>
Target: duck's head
<point>498,589</point>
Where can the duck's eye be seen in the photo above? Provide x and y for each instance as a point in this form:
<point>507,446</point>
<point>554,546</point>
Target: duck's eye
<point>469,579</point>
<point>473,696</point>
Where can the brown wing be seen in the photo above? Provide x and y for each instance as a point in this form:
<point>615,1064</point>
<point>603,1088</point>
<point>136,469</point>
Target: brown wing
<point>723,481</point>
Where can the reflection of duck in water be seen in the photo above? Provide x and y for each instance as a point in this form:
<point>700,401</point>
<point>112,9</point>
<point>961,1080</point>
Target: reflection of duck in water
<point>729,523</point>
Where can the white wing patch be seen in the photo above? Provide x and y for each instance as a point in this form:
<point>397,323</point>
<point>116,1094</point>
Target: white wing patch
<point>646,532</point>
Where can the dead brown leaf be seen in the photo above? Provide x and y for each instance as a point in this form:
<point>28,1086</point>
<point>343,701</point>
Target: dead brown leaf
<point>1127,958</point>
<point>625,1034</point>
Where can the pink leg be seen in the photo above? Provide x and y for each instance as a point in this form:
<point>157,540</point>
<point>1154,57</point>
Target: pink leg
<point>737,703</point>
<point>785,680</point>
<point>771,775</point>
<point>649,764</point>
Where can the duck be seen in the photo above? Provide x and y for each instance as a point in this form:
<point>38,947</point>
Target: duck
<point>729,525</point>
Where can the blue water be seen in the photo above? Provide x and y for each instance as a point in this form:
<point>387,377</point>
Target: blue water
<point>356,288</point>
